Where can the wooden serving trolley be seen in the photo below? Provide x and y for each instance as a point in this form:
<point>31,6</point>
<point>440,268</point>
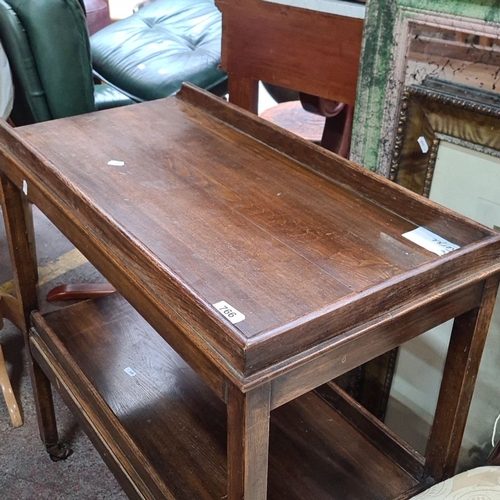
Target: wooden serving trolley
<point>252,267</point>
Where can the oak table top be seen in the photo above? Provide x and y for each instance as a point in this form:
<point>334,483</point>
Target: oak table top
<point>268,264</point>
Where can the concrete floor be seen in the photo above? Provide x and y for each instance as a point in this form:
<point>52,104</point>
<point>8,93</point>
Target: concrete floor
<point>26,471</point>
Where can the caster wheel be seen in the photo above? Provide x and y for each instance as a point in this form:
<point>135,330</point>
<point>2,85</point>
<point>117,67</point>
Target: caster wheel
<point>58,452</point>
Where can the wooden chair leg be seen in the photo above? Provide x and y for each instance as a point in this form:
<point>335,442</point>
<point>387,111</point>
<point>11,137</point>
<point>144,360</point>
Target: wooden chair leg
<point>8,393</point>
<point>338,131</point>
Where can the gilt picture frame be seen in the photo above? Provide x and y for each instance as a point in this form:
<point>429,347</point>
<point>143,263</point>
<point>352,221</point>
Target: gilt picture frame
<point>447,148</point>
<point>435,111</point>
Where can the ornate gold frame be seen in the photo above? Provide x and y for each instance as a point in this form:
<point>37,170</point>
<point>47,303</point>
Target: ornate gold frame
<point>439,110</point>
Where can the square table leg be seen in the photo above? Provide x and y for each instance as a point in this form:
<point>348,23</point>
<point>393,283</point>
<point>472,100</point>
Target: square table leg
<point>459,377</point>
<point>18,219</point>
<point>248,442</point>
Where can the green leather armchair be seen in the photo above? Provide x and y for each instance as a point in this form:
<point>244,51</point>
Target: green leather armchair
<point>47,44</point>
<point>144,57</point>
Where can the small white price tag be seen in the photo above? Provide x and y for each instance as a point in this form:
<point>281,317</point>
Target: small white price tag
<point>423,144</point>
<point>116,163</point>
<point>229,312</point>
<point>130,372</point>
<point>430,241</point>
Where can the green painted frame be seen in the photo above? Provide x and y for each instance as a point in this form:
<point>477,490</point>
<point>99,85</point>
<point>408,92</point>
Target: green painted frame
<point>383,64</point>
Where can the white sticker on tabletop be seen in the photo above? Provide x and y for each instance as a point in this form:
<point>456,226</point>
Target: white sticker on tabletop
<point>130,371</point>
<point>430,241</point>
<point>116,163</point>
<point>228,311</point>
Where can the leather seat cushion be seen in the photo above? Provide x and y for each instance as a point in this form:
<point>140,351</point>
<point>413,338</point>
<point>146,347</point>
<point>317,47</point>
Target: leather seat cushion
<point>149,54</point>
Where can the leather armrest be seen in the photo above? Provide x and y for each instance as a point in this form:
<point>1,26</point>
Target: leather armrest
<point>107,97</point>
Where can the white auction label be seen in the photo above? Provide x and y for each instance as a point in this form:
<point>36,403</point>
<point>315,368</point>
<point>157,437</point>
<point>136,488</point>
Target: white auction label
<point>130,371</point>
<point>430,241</point>
<point>116,163</point>
<point>228,311</point>
<point>423,144</point>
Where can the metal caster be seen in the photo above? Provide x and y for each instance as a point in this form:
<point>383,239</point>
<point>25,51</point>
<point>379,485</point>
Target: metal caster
<point>58,452</point>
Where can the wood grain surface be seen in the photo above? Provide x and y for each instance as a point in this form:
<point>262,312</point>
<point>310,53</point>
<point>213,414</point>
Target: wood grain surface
<point>185,202</point>
<point>201,212</point>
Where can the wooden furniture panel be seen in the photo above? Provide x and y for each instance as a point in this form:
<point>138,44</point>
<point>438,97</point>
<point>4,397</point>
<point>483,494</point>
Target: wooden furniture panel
<point>310,226</point>
<point>188,201</point>
<point>179,427</point>
<point>301,49</point>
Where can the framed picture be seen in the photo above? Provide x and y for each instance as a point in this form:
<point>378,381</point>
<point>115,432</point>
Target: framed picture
<point>436,111</point>
<point>406,41</point>
<point>447,147</point>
